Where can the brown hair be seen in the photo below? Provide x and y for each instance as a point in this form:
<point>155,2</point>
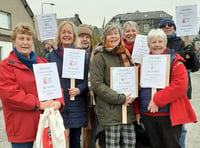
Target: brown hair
<point>22,28</point>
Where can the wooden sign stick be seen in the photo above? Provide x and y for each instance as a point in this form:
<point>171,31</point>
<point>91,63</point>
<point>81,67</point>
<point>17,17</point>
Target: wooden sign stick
<point>72,85</point>
<point>124,114</point>
<point>153,91</point>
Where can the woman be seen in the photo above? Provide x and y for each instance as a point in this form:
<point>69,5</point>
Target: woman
<point>75,112</point>
<point>109,103</point>
<point>130,30</point>
<point>18,92</point>
<point>164,115</point>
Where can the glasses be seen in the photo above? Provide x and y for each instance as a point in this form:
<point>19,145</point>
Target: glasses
<point>164,25</point>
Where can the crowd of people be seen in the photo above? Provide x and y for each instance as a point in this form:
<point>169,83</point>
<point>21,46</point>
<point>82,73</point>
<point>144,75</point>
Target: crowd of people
<point>97,108</point>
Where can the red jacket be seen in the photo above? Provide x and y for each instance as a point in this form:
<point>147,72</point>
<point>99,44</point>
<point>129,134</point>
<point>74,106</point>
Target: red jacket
<point>19,98</point>
<point>181,111</point>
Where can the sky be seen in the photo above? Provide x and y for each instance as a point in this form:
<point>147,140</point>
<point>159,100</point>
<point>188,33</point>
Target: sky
<point>93,12</point>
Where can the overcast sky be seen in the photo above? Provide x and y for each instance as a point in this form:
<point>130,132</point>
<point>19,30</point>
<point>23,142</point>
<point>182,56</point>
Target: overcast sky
<point>93,11</point>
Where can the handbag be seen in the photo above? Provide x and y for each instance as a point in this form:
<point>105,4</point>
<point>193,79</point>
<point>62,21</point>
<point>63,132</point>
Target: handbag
<point>51,132</point>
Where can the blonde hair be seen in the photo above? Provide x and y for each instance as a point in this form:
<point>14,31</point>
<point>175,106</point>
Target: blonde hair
<point>57,38</point>
<point>22,28</point>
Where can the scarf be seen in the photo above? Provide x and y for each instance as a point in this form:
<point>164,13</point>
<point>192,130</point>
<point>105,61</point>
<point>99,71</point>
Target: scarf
<point>129,47</point>
<point>26,61</point>
<point>61,50</point>
<point>171,36</point>
<point>122,51</point>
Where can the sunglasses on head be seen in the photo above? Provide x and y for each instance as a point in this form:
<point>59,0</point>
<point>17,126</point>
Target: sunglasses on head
<point>164,25</point>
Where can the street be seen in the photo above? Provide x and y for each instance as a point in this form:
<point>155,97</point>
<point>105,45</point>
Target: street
<point>193,129</point>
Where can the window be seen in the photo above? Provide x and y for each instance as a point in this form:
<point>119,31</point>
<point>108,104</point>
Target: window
<point>5,20</point>
<point>146,27</point>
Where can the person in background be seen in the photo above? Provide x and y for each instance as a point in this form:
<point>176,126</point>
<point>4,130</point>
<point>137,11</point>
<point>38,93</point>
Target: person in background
<point>130,30</point>
<point>18,92</point>
<point>164,114</point>
<point>75,112</point>
<point>191,62</point>
<point>48,47</point>
<point>85,36</point>
<point>109,103</point>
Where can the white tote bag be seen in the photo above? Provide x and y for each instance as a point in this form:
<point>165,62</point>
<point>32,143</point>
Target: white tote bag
<point>51,131</point>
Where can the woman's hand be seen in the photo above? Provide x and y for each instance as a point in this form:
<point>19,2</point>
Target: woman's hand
<point>129,100</point>
<point>153,108</point>
<point>50,103</point>
<point>138,117</point>
<point>73,92</point>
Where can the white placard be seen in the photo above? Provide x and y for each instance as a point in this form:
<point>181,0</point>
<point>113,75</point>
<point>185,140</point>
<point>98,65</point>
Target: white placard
<point>186,20</point>
<point>155,71</point>
<point>47,81</point>
<point>125,80</point>
<point>140,48</point>
<point>73,63</point>
<point>47,26</point>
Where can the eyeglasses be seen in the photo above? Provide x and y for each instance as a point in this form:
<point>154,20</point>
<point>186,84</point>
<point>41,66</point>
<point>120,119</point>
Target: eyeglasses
<point>164,25</point>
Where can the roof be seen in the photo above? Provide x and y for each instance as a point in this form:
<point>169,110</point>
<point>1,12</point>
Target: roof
<point>142,15</point>
<point>27,7</point>
<point>76,20</point>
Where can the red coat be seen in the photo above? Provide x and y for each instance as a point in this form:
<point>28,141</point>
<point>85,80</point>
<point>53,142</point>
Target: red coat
<point>19,98</point>
<point>181,111</point>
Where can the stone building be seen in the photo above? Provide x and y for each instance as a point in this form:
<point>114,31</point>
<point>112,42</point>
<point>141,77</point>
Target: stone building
<point>145,20</point>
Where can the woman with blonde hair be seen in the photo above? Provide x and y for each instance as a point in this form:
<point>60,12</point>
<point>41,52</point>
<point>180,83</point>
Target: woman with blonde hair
<point>75,112</point>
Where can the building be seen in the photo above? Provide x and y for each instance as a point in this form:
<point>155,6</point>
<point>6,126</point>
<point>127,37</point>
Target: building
<point>11,13</point>
<point>76,20</point>
<point>145,20</point>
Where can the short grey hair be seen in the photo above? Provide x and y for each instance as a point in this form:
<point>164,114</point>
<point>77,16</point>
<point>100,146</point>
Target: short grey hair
<point>110,26</point>
<point>153,33</point>
<point>130,23</point>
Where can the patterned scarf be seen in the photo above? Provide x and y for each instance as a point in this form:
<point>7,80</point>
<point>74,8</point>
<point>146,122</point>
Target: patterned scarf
<point>122,51</point>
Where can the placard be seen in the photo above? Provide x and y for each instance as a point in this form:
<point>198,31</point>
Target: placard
<point>73,63</point>
<point>47,81</point>
<point>186,20</point>
<point>125,80</point>
<point>155,71</point>
<point>140,47</point>
<point>46,26</point>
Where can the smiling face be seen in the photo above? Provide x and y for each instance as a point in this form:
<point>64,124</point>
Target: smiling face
<point>113,37</point>
<point>85,40</point>
<point>24,44</point>
<point>168,28</point>
<point>157,45</point>
<point>130,34</point>
<point>66,35</point>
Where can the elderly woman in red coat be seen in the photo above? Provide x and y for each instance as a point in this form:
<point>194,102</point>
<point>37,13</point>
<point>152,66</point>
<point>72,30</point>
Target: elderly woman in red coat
<point>18,93</point>
<point>164,114</point>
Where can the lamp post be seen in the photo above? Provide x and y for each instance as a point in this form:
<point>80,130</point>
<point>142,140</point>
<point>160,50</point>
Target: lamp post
<point>48,4</point>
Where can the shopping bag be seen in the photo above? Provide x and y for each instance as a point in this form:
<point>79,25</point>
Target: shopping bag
<point>51,132</point>
<point>58,132</point>
<point>43,137</point>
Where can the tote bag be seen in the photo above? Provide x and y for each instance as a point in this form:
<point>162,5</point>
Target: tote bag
<point>51,131</point>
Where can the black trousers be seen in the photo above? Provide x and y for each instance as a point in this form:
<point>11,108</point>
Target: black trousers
<point>161,133</point>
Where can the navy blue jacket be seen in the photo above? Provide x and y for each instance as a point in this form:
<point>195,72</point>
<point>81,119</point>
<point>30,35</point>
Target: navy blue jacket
<point>75,112</point>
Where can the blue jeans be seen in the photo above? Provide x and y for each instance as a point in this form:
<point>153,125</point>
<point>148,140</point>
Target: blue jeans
<point>183,134</point>
<point>22,145</point>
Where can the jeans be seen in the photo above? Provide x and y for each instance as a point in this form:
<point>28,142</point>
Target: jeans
<point>22,145</point>
<point>183,134</point>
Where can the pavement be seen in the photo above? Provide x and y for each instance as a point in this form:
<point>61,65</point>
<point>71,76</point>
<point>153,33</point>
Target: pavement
<point>193,129</point>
